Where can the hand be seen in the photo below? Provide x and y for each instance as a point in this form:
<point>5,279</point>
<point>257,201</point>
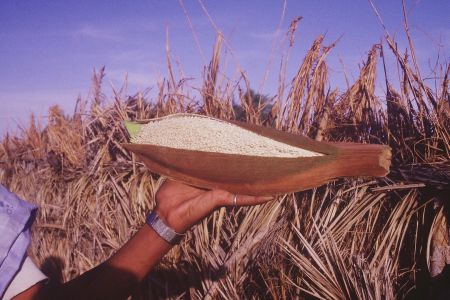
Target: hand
<point>180,206</point>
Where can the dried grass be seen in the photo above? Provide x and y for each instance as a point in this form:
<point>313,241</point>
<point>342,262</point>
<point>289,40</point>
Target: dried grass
<point>349,239</point>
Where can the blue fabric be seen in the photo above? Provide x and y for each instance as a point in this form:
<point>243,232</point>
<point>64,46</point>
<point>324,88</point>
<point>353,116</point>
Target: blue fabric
<point>16,217</point>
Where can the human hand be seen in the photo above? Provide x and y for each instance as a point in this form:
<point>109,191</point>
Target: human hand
<point>181,206</point>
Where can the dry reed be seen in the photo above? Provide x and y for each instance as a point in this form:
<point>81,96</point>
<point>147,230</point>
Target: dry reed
<point>358,238</point>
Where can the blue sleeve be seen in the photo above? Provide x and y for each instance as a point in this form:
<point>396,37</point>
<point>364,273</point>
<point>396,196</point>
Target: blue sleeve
<point>16,217</point>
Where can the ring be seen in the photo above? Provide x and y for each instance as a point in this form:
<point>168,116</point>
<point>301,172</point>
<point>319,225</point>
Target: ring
<point>235,200</point>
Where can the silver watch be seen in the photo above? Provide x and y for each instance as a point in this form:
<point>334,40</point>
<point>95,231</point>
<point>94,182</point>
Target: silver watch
<point>164,231</point>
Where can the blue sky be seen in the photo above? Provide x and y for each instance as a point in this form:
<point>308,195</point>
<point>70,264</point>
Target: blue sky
<point>48,49</point>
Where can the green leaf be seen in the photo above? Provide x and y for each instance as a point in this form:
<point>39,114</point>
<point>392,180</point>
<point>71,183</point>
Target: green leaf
<point>133,128</point>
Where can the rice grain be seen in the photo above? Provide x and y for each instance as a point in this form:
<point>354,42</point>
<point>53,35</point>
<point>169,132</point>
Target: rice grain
<point>201,133</point>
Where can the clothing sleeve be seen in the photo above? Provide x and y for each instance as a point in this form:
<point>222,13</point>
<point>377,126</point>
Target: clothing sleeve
<point>16,217</point>
<point>28,275</point>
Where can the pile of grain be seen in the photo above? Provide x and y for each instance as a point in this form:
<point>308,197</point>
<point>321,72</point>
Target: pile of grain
<point>211,135</point>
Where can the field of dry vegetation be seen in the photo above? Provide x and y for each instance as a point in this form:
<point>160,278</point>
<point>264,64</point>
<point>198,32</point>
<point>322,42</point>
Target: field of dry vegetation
<point>360,238</point>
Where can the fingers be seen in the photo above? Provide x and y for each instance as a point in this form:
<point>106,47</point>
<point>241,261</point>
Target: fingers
<point>213,198</point>
<point>224,198</point>
<point>176,190</point>
<point>244,200</point>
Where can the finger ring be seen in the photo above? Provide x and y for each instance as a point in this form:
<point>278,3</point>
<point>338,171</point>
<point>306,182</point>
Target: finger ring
<point>235,200</point>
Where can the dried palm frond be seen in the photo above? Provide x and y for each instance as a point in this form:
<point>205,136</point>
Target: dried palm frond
<point>356,238</point>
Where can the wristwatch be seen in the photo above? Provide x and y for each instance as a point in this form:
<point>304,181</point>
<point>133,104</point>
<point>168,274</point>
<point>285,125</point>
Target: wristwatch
<point>164,231</point>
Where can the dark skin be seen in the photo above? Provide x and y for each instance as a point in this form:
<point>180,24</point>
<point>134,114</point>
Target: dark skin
<point>180,206</point>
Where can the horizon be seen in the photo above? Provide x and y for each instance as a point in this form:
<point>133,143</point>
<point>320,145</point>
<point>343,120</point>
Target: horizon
<point>50,50</point>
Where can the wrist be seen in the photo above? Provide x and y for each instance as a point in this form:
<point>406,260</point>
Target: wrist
<point>173,220</point>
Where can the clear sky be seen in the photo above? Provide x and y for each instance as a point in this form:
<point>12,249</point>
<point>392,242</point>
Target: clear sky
<point>48,49</point>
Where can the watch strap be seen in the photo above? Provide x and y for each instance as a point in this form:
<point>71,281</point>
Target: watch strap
<point>162,229</point>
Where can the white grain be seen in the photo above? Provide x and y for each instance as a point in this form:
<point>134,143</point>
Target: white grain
<point>195,132</point>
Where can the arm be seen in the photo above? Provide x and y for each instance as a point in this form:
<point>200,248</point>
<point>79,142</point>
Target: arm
<point>179,206</point>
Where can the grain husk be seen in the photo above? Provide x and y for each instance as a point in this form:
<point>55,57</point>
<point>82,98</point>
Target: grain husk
<point>263,175</point>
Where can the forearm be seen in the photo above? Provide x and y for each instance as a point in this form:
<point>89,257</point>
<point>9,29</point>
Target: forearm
<point>179,206</point>
<point>116,277</point>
